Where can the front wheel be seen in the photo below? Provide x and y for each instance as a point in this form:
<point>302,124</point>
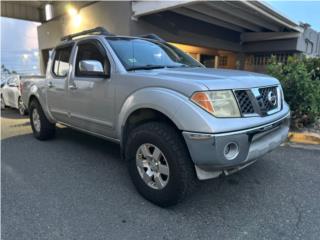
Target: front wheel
<point>159,163</point>
<point>41,127</point>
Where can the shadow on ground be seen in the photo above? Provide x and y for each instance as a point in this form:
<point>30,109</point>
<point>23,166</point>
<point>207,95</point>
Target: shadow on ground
<point>11,113</point>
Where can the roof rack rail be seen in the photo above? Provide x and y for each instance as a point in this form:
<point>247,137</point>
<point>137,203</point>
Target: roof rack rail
<point>152,36</point>
<point>97,30</point>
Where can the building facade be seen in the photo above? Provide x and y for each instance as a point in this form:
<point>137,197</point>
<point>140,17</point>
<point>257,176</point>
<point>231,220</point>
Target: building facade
<point>223,34</point>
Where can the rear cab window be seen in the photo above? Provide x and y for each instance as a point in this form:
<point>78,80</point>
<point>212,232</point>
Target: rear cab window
<point>61,61</point>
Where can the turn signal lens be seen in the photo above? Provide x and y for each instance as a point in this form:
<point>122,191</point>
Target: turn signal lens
<point>202,99</point>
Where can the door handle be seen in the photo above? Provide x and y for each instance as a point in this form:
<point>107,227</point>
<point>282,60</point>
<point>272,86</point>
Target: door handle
<point>50,85</point>
<point>72,87</point>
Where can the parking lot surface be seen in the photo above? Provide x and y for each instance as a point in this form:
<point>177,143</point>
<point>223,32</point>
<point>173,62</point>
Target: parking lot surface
<point>77,187</point>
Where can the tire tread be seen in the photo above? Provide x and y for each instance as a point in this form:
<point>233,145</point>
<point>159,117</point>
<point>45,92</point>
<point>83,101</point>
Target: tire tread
<point>187,178</point>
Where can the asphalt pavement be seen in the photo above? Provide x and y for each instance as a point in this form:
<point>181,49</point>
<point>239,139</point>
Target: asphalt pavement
<point>77,187</point>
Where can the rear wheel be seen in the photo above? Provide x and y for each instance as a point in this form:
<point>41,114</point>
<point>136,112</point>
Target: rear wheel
<point>159,163</point>
<point>41,127</point>
<point>21,107</point>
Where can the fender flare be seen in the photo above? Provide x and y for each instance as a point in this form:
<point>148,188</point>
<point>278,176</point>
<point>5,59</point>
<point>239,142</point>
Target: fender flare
<point>176,106</point>
<point>34,92</point>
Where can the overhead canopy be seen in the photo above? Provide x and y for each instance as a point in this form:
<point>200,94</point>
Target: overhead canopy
<point>35,10</point>
<point>240,16</point>
<point>31,10</point>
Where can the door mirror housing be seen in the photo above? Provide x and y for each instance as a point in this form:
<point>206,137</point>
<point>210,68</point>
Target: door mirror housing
<point>92,68</point>
<point>13,85</point>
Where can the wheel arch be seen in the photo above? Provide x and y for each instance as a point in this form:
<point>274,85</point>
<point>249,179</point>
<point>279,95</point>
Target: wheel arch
<point>31,98</point>
<point>143,115</point>
<point>171,105</point>
<point>35,97</point>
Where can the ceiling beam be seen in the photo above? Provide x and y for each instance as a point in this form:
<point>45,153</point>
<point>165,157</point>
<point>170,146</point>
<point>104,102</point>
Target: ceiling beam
<point>225,17</point>
<point>259,7</point>
<point>18,10</point>
<point>267,36</point>
<point>206,18</point>
<point>142,8</point>
<point>229,8</point>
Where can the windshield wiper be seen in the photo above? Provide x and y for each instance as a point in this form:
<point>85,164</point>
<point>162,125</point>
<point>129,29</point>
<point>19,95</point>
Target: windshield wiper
<point>177,66</point>
<point>146,67</point>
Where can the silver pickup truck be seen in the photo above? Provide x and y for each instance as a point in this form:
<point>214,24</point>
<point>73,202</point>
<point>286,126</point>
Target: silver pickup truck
<point>175,120</point>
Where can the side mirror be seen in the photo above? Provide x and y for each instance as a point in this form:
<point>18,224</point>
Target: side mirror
<point>13,85</point>
<point>91,68</point>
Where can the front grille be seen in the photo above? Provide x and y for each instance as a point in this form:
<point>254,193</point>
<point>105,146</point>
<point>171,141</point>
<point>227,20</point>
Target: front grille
<point>258,101</point>
<point>264,94</point>
<point>244,101</point>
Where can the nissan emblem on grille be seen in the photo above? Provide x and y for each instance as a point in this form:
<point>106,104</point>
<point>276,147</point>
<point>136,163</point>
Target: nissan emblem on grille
<point>272,98</point>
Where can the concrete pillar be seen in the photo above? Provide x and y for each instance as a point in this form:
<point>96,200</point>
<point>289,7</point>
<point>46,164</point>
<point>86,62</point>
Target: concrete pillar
<point>216,61</point>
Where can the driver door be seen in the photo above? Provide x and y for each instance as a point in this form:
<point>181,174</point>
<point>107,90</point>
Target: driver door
<point>91,89</point>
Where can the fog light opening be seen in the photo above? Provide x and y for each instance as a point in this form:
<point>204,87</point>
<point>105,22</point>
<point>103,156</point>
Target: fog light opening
<point>231,151</point>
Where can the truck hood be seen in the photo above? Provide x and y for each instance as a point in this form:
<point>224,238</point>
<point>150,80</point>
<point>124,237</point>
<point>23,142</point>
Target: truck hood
<point>213,79</point>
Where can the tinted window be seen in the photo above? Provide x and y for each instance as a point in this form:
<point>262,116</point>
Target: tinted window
<point>90,51</point>
<point>135,53</point>
<point>61,61</point>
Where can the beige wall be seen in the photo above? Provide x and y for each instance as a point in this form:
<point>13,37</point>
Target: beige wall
<point>115,16</point>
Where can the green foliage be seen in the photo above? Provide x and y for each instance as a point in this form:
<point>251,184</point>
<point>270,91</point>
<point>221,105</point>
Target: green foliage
<point>300,79</point>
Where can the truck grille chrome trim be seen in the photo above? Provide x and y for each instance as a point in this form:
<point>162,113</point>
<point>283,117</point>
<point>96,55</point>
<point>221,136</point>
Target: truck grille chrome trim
<point>259,101</point>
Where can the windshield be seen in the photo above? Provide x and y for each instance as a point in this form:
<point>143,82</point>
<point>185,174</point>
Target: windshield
<point>139,54</point>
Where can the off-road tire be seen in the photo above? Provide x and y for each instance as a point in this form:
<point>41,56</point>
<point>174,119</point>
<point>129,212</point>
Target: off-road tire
<point>182,177</point>
<point>47,129</point>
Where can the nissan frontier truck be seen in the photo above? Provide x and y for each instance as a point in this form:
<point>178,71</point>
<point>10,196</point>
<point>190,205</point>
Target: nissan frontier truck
<point>176,121</point>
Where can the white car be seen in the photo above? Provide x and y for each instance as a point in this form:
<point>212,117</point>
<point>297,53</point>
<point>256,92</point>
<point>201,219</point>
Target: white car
<point>11,94</point>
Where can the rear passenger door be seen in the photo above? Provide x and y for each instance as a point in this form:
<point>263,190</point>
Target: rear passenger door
<point>57,94</point>
<point>91,89</point>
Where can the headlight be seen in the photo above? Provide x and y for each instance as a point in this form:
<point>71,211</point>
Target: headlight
<point>218,103</point>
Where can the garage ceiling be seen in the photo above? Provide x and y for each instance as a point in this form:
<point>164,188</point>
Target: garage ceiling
<point>34,10</point>
<point>241,16</point>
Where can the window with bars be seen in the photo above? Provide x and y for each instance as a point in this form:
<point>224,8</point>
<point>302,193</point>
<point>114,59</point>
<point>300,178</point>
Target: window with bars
<point>223,60</point>
<point>264,59</point>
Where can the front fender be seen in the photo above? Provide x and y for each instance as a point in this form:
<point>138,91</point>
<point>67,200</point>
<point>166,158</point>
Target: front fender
<point>176,106</point>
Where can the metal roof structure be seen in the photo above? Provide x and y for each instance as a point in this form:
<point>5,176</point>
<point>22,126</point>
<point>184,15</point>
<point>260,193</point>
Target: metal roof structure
<point>35,10</point>
<point>240,16</point>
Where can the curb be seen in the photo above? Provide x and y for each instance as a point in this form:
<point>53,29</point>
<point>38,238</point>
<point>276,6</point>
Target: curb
<point>306,138</point>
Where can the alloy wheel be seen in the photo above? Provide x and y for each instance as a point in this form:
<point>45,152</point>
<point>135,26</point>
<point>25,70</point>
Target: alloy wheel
<point>152,166</point>
<point>36,120</point>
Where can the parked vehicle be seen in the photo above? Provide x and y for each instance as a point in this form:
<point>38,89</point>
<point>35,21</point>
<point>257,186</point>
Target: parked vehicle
<point>11,94</point>
<point>174,119</point>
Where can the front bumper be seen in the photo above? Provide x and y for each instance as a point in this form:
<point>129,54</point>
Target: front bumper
<point>208,151</point>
